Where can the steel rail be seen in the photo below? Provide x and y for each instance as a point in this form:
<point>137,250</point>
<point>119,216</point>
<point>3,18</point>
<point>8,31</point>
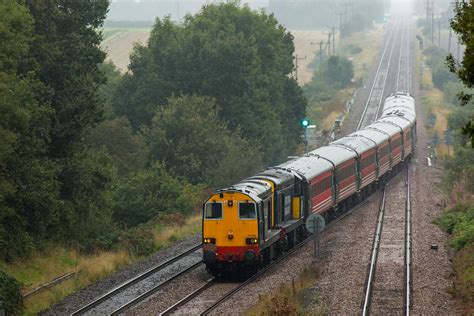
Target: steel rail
<point>272,265</point>
<point>408,80</point>
<point>375,79</point>
<point>374,255</point>
<point>408,237</point>
<point>400,62</point>
<point>386,76</point>
<point>134,280</point>
<point>146,294</point>
<point>189,297</point>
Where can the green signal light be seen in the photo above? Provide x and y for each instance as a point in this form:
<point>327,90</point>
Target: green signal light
<point>305,123</point>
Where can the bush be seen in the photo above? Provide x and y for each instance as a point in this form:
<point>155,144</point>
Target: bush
<point>139,241</point>
<point>459,221</point>
<point>10,294</point>
<point>435,55</point>
<point>441,75</point>
<point>151,192</point>
<point>353,49</point>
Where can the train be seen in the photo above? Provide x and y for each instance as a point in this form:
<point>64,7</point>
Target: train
<point>250,223</point>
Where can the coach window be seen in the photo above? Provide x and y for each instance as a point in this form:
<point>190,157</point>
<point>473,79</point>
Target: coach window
<point>213,211</point>
<point>247,210</point>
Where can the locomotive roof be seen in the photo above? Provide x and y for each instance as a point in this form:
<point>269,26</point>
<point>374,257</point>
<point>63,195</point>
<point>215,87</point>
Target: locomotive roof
<point>251,187</point>
<point>308,166</point>
<point>280,177</point>
<point>374,135</point>
<point>359,144</point>
<point>388,128</point>
<point>334,153</point>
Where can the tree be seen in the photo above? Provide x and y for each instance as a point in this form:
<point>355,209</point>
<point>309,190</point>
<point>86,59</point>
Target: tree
<point>338,71</point>
<point>463,26</point>
<point>151,192</point>
<point>108,90</point>
<point>64,54</point>
<point>127,150</point>
<point>48,98</point>
<point>240,57</point>
<point>188,137</point>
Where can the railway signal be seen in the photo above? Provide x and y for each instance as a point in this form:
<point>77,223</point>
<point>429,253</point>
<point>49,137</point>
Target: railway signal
<point>305,123</point>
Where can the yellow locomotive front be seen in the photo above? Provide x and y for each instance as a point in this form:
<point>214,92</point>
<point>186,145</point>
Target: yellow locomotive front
<point>230,232</point>
<point>231,235</point>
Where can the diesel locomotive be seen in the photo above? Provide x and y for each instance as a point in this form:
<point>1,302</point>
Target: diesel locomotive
<point>254,221</point>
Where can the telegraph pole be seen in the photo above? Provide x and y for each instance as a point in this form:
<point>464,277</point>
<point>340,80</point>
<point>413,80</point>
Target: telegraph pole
<point>439,31</point>
<point>333,29</point>
<point>329,34</point>
<point>321,43</point>
<point>346,5</point>
<point>296,66</point>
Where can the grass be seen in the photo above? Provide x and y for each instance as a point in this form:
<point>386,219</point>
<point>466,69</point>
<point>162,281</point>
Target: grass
<point>56,261</point>
<point>433,100</point>
<point>369,42</point>
<point>296,298</point>
<point>458,220</point>
<point>325,113</point>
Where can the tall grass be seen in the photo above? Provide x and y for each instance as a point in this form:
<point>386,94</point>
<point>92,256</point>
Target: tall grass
<point>56,261</point>
<point>295,298</point>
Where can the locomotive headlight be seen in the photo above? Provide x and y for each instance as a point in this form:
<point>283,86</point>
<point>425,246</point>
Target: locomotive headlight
<point>209,240</point>
<point>251,241</point>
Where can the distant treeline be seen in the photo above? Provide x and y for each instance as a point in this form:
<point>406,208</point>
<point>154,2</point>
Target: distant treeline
<point>88,155</point>
<point>349,16</point>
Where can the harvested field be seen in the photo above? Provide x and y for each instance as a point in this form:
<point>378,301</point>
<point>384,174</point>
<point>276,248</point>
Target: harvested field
<point>119,46</point>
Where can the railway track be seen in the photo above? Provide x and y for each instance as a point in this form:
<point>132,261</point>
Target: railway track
<point>376,94</point>
<point>388,280</point>
<point>403,73</point>
<point>143,285</point>
<point>213,293</point>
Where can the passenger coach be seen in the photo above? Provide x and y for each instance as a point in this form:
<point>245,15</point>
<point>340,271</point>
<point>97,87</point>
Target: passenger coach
<point>255,220</point>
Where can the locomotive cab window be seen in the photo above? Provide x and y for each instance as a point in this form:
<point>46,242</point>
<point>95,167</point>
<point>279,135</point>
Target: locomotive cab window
<point>247,211</point>
<point>213,211</point>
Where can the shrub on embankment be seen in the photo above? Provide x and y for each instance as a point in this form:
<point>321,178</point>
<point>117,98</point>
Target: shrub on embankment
<point>11,299</point>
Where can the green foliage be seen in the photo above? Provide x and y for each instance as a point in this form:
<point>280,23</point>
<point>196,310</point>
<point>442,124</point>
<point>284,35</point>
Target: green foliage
<point>86,179</point>
<point>441,75</point>
<point>16,26</point>
<point>127,150</point>
<point>240,57</point>
<point>435,55</point>
<point>451,89</point>
<point>107,91</point>
<point>10,294</point>
<point>463,26</point>
<point>64,54</point>
<point>353,49</point>
<point>188,136</point>
<point>461,166</point>
<point>140,242</point>
<point>439,71</point>
<point>336,73</point>
<point>459,222</point>
<point>143,196</point>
